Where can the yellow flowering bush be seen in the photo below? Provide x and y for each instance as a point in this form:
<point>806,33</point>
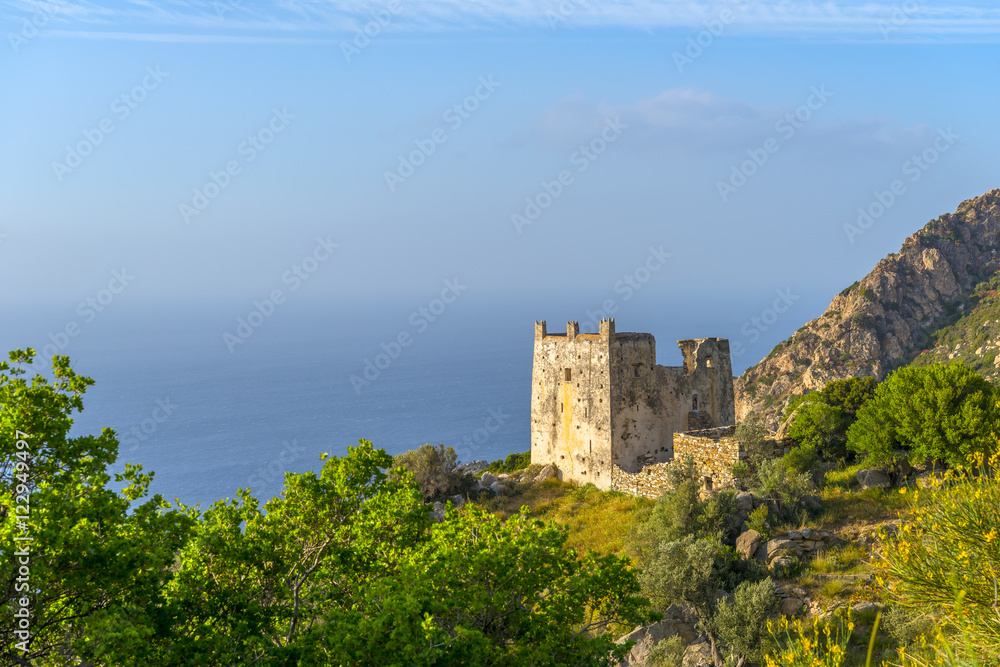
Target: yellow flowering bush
<point>816,644</point>
<point>944,563</point>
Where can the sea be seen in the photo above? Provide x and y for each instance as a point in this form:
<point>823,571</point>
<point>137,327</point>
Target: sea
<point>209,416</point>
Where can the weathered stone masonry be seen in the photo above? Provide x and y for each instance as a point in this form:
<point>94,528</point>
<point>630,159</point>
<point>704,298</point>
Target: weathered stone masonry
<point>600,401</point>
<point>714,452</point>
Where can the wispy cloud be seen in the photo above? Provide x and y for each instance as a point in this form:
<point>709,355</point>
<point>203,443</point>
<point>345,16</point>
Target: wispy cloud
<point>698,122</point>
<point>858,20</point>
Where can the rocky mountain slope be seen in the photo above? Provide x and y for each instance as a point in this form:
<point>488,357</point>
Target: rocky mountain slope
<point>934,300</point>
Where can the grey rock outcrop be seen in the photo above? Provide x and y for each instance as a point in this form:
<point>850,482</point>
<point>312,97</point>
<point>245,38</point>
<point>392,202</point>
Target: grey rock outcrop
<point>873,478</point>
<point>889,316</point>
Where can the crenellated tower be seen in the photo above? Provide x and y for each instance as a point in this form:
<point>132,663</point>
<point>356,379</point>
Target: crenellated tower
<point>598,400</point>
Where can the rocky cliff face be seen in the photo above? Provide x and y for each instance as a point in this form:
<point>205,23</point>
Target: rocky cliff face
<point>919,303</point>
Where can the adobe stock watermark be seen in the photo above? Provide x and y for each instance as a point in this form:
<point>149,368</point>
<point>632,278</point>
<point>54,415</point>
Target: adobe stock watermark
<point>563,11</point>
<point>21,472</point>
<point>630,283</point>
<point>31,28</point>
<point>712,30</point>
<point>454,117</point>
<point>248,149</point>
<point>901,15</point>
<point>121,108</point>
<point>757,325</point>
<point>420,321</point>
<point>380,20</point>
<point>914,168</point>
<point>147,427</point>
<point>472,442</point>
<point>294,277</point>
<point>581,158</point>
<point>786,127</point>
<point>88,309</point>
<point>272,474</point>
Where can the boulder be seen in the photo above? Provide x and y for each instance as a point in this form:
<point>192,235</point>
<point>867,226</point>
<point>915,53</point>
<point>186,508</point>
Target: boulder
<point>698,655</point>
<point>675,622</point>
<point>902,469</point>
<point>745,501</point>
<point>873,478</point>
<point>747,543</point>
<point>811,503</point>
<point>866,606</point>
<point>782,562</point>
<point>488,478</point>
<point>807,533</point>
<point>457,500</point>
<point>781,547</point>
<point>794,535</point>
<point>473,467</point>
<point>790,606</point>
<point>437,514</point>
<point>545,473</point>
<point>496,488</point>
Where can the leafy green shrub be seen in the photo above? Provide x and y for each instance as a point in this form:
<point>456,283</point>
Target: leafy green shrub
<point>785,487</point>
<point>434,470</point>
<point>667,652</point>
<point>752,434</point>
<point>801,458</point>
<point>742,621</point>
<point>515,461</point>
<point>741,471</point>
<point>822,418</point>
<point>758,521</point>
<point>937,411</point>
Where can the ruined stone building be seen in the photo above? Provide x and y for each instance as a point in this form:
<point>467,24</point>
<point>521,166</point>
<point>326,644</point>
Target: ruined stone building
<point>600,400</point>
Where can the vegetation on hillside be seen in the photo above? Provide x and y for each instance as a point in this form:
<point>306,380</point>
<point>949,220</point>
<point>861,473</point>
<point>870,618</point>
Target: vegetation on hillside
<point>344,567</point>
<point>973,337</point>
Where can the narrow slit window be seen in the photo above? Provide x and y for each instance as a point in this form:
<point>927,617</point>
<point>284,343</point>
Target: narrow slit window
<point>568,375</point>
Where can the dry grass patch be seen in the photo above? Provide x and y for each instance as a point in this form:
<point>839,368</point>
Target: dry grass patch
<point>597,520</point>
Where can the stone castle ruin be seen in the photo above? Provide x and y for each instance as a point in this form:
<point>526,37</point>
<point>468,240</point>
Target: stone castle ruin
<point>603,411</point>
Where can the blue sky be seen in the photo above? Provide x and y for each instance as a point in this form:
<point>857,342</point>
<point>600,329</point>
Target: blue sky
<point>205,146</point>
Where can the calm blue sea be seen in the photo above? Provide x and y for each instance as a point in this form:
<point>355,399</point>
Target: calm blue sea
<point>208,420</point>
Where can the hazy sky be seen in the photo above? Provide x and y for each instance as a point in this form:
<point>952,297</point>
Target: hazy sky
<point>552,151</point>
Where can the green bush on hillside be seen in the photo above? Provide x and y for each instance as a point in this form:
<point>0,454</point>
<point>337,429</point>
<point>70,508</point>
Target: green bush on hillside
<point>820,419</point>
<point>945,413</point>
<point>515,461</point>
<point>434,469</point>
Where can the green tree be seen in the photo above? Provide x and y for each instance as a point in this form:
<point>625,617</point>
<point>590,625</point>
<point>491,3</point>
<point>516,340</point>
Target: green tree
<point>820,420</point>
<point>97,559</point>
<point>434,468</point>
<point>944,412</point>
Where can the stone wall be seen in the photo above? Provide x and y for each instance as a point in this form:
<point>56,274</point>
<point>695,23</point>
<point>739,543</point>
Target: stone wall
<point>714,452</point>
